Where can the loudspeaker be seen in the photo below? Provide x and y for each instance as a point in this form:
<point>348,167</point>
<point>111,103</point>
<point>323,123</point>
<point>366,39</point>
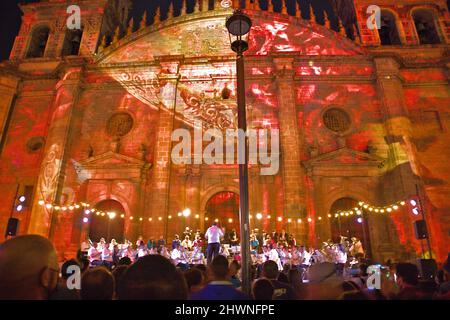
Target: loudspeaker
<point>12,227</point>
<point>427,268</point>
<point>420,229</point>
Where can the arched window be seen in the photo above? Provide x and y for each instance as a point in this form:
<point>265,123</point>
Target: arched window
<point>72,41</point>
<point>38,42</point>
<point>349,226</point>
<point>426,26</point>
<point>389,34</point>
<point>105,225</point>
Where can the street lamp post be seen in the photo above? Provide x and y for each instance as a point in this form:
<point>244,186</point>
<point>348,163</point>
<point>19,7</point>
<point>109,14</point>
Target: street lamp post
<point>239,25</point>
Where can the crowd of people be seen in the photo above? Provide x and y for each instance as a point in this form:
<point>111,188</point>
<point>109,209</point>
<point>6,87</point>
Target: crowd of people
<point>185,253</point>
<point>29,270</point>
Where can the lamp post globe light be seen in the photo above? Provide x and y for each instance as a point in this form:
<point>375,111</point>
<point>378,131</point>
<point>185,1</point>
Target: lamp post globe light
<point>238,25</point>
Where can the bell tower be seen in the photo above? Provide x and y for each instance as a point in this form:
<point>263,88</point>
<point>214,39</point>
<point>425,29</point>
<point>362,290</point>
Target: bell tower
<point>52,29</point>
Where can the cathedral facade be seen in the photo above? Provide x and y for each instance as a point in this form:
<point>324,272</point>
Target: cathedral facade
<point>88,114</point>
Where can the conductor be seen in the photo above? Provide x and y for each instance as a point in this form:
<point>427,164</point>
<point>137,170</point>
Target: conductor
<point>213,235</point>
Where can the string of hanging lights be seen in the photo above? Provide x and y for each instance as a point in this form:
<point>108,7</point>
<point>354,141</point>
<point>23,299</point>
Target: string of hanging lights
<point>356,211</point>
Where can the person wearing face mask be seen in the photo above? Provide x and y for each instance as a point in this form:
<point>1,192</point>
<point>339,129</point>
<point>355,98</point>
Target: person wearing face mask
<point>28,268</point>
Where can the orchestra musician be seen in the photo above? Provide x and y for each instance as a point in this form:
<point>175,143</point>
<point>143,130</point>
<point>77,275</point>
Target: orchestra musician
<point>224,251</point>
<point>285,256</point>
<point>165,253</point>
<point>176,241</point>
<point>197,256</point>
<point>94,255</point>
<point>305,258</point>
<point>198,242</point>
<point>356,248</point>
<point>128,252</point>
<point>234,241</point>
<point>282,238</point>
<point>107,256</point>
<point>341,258</point>
<point>186,243</point>
<point>273,255</point>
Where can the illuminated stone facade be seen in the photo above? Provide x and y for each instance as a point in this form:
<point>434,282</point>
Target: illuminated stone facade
<point>357,119</point>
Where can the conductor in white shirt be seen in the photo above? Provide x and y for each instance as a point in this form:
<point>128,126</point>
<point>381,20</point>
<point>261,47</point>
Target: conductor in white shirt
<point>213,235</point>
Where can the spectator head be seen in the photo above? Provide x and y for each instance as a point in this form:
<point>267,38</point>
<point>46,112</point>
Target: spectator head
<point>270,270</point>
<point>234,268</point>
<point>194,279</point>
<point>117,274</point>
<point>28,268</point>
<point>65,271</point>
<point>348,286</point>
<point>84,264</point>
<point>152,277</point>
<point>262,290</point>
<point>282,277</point>
<point>125,261</point>
<point>363,269</point>
<point>219,268</point>
<point>353,295</point>
<point>202,268</point>
<point>97,284</point>
<point>294,276</point>
<point>407,274</point>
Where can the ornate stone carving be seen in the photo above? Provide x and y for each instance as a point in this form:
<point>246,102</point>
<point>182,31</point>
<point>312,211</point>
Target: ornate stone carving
<point>214,112</point>
<point>50,172</point>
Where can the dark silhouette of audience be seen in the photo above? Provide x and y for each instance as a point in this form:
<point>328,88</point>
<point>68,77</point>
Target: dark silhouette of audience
<point>262,289</point>
<point>29,271</point>
<point>282,290</point>
<point>97,284</point>
<point>62,291</point>
<point>220,287</point>
<point>28,268</point>
<point>152,277</point>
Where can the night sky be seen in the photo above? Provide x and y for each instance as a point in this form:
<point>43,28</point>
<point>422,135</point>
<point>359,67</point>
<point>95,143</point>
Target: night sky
<point>10,19</point>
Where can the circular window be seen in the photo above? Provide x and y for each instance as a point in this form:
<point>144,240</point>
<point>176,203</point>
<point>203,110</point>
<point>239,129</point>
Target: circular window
<point>119,124</point>
<point>336,120</point>
<point>35,144</point>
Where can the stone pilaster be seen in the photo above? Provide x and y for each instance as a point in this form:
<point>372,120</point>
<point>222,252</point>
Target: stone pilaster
<point>289,137</point>
<point>160,190</point>
<point>193,194</point>
<point>8,90</point>
<point>52,174</point>
<point>402,157</point>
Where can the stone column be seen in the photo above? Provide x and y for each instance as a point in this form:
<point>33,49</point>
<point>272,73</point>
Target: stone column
<point>403,172</point>
<point>402,161</point>
<point>43,221</point>
<point>193,195</point>
<point>289,138</point>
<point>161,171</point>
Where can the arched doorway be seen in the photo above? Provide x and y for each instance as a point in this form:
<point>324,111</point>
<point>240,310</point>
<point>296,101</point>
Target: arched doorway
<point>223,207</point>
<point>351,225</point>
<point>102,226</point>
